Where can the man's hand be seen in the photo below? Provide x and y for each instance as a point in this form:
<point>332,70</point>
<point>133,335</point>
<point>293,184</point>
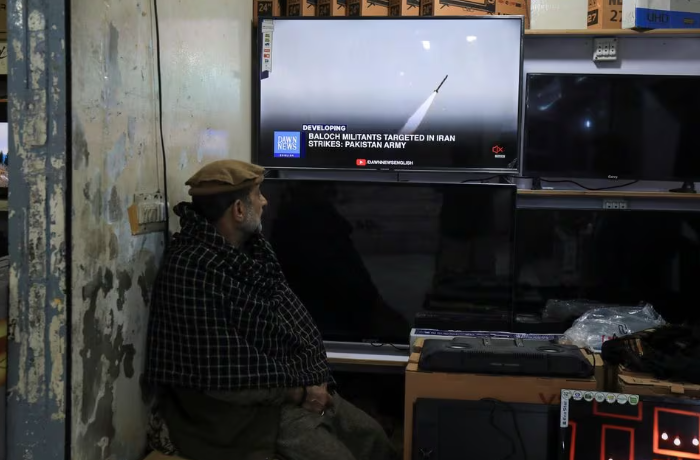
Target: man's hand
<point>294,395</point>
<point>317,399</point>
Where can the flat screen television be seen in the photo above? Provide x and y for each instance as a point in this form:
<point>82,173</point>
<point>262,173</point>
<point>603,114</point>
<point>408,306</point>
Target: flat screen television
<point>614,257</point>
<point>366,257</point>
<point>601,426</point>
<point>639,127</point>
<point>389,93</point>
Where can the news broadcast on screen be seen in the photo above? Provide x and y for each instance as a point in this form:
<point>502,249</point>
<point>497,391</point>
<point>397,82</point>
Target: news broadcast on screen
<point>403,94</point>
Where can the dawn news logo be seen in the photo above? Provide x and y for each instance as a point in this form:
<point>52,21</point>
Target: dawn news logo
<point>287,144</point>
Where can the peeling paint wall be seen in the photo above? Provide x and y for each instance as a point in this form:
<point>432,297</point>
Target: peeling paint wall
<point>37,231</point>
<point>205,47</point>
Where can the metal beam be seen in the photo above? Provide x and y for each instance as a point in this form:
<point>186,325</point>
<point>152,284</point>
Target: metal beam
<point>37,84</point>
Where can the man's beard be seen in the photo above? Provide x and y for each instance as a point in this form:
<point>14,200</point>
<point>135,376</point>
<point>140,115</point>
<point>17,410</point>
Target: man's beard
<point>251,225</point>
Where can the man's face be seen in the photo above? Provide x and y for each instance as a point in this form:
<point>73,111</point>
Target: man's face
<point>253,211</point>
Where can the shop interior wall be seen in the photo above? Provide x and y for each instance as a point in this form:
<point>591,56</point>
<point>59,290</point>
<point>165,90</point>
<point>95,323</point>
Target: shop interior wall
<point>205,52</point>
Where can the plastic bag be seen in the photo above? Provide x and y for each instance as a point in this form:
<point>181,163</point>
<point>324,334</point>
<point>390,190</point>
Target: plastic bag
<point>600,324</point>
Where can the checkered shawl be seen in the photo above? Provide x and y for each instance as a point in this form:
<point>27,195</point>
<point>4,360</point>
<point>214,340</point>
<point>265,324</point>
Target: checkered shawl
<point>224,319</point>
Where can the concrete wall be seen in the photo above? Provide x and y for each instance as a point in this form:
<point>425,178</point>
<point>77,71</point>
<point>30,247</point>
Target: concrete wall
<point>115,141</point>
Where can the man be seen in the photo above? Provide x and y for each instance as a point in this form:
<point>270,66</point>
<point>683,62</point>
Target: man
<point>238,363</point>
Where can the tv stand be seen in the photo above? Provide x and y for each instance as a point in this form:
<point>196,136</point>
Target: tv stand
<point>687,187</point>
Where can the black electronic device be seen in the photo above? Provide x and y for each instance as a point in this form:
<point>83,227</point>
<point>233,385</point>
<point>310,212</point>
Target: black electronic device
<point>366,257</point>
<point>485,430</point>
<point>376,101</point>
<point>618,426</point>
<point>613,257</point>
<point>612,126</point>
<point>504,356</point>
<point>486,319</point>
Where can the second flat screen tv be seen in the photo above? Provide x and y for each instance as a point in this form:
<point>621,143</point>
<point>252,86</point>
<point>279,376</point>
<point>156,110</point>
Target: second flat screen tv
<point>366,257</point>
<point>390,93</point>
<point>602,126</point>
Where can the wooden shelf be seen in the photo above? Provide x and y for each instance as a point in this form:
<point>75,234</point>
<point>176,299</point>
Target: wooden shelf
<point>657,33</point>
<point>610,193</point>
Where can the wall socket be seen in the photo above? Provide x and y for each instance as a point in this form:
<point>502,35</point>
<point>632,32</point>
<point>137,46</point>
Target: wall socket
<point>604,49</point>
<point>148,213</point>
<point>615,204</point>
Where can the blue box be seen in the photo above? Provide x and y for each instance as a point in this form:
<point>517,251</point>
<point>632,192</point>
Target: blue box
<point>287,144</point>
<point>661,14</point>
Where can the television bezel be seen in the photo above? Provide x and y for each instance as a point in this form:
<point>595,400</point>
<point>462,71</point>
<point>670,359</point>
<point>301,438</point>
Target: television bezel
<point>534,173</point>
<point>255,154</point>
<point>510,309</point>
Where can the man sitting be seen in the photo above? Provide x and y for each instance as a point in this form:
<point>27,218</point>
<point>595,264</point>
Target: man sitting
<point>238,363</point>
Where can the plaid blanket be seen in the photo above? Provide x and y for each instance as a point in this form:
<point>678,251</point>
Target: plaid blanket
<point>224,318</point>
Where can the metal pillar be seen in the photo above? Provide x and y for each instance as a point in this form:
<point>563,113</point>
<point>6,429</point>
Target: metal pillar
<point>37,424</point>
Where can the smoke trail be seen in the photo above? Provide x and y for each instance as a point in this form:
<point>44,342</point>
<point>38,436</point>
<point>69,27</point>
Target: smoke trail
<point>414,122</point>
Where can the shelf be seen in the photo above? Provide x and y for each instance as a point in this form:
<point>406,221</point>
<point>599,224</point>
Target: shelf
<point>657,33</point>
<point>609,193</point>
<point>595,200</point>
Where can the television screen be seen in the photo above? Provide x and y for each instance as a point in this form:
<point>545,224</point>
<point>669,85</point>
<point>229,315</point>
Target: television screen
<point>600,426</point>
<point>488,429</point>
<point>612,126</point>
<point>390,93</point>
<point>615,257</point>
<point>366,257</point>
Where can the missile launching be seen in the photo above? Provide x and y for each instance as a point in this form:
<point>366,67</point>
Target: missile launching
<point>441,83</point>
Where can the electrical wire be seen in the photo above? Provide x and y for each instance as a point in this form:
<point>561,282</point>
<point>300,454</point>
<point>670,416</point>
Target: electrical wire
<point>379,345</point>
<point>569,181</point>
<point>492,421</point>
<point>482,180</point>
<point>160,123</point>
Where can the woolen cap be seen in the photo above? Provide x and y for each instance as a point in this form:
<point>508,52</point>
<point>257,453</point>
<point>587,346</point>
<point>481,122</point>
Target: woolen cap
<point>225,176</point>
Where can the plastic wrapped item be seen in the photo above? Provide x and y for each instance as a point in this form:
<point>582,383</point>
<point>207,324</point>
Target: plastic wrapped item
<point>600,324</point>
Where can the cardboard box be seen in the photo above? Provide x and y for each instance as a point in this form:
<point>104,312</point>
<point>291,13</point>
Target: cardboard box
<point>367,8</point>
<point>404,7</point>
<point>475,8</point>
<point>473,387</point>
<point>301,7</point>
<point>263,9</point>
<point>558,14</point>
<point>599,369</point>
<point>327,8</point>
<point>604,14</point>
<point>661,14</point>
<point>638,383</point>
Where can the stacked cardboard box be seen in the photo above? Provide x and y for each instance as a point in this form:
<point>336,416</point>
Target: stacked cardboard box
<point>661,14</point>
<point>604,14</point>
<point>638,383</point>
<point>263,9</point>
<point>367,8</point>
<point>475,8</point>
<point>558,14</point>
<point>404,7</point>
<point>301,7</point>
<point>327,8</point>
